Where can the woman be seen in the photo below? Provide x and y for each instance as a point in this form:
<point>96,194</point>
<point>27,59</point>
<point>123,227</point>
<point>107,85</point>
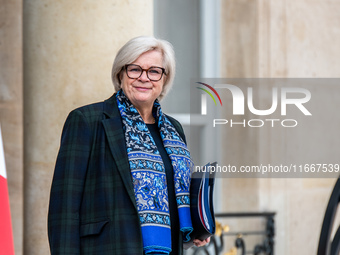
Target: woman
<point>121,180</point>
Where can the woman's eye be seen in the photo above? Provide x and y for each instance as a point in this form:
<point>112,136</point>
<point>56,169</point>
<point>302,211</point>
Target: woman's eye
<point>154,71</point>
<point>134,70</point>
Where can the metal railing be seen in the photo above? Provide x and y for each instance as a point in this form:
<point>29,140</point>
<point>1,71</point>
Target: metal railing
<point>328,244</point>
<point>217,243</point>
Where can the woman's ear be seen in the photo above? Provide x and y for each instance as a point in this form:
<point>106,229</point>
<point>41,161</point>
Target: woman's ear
<point>120,76</point>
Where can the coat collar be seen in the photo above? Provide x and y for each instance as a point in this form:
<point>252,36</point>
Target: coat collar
<point>115,136</point>
<point>111,108</point>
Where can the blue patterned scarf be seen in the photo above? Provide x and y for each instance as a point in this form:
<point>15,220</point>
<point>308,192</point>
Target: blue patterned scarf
<point>149,178</point>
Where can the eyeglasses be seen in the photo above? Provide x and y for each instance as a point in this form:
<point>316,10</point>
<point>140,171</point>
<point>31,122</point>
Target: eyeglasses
<point>153,73</point>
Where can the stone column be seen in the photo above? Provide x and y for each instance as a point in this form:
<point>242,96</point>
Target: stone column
<point>11,103</point>
<point>69,49</point>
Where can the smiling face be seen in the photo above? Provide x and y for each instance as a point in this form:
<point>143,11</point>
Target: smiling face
<point>141,91</point>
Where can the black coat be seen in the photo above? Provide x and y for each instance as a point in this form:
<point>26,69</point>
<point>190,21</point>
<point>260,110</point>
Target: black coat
<point>92,204</point>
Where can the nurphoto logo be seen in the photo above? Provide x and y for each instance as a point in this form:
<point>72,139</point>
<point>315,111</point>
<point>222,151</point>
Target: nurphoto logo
<point>280,99</point>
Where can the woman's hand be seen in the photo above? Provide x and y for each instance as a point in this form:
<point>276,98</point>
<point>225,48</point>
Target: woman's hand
<point>200,243</point>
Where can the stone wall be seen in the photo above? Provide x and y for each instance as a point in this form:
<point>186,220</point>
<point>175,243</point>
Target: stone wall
<point>279,39</point>
<point>11,109</point>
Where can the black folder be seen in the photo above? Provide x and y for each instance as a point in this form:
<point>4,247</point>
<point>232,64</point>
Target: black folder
<point>201,203</point>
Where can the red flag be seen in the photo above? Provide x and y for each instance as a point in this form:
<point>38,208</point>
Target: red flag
<point>6,236</point>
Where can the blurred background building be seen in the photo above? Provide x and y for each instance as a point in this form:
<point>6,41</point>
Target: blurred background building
<point>57,55</point>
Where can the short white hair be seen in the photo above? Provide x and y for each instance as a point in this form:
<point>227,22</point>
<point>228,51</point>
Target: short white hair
<point>136,47</point>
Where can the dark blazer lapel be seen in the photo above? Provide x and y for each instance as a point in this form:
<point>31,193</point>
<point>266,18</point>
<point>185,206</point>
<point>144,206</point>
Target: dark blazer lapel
<point>115,135</point>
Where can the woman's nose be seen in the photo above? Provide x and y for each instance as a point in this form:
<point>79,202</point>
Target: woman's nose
<point>144,76</point>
